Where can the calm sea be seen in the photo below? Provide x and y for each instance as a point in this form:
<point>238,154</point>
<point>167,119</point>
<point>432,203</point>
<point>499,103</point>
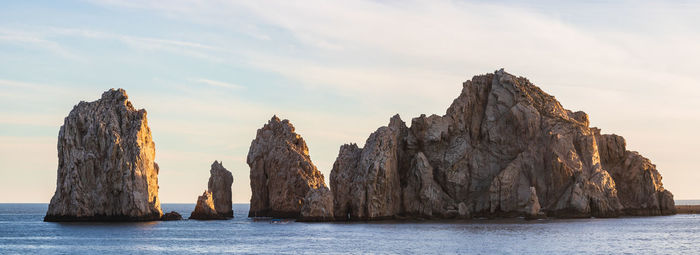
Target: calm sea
<point>22,231</point>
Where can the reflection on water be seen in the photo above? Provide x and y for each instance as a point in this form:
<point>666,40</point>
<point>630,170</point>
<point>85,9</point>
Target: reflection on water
<point>22,231</point>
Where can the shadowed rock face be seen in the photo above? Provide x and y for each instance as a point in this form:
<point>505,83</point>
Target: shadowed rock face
<point>215,202</point>
<point>106,168</point>
<point>637,180</point>
<point>281,171</point>
<point>504,148</point>
<point>318,205</point>
<point>171,216</point>
<point>220,183</point>
<point>365,182</point>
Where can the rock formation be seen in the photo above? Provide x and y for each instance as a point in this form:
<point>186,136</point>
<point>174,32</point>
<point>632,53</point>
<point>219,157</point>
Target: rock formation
<point>637,180</point>
<point>106,168</point>
<point>220,183</point>
<point>365,182</point>
<point>318,205</point>
<point>281,172</point>
<point>205,209</point>
<point>171,216</point>
<point>504,148</point>
<point>215,203</point>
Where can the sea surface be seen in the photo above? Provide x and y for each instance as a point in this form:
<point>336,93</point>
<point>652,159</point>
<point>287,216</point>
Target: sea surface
<point>22,231</point>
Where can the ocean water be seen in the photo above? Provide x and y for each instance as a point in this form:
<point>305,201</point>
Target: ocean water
<point>22,231</point>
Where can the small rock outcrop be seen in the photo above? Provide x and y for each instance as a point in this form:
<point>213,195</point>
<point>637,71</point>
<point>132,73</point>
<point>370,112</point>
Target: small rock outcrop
<point>205,209</point>
<point>504,148</point>
<point>215,203</point>
<point>106,168</point>
<point>532,208</point>
<point>281,171</point>
<point>171,216</point>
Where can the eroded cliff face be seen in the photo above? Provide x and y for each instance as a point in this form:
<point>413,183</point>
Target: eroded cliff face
<point>106,168</point>
<point>318,205</point>
<point>637,180</point>
<point>365,182</point>
<point>504,148</point>
<point>281,171</point>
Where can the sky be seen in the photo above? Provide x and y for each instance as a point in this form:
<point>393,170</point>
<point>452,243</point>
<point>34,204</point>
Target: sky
<point>210,73</point>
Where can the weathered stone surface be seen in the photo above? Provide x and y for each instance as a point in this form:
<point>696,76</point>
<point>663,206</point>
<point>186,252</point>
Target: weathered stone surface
<point>215,203</point>
<point>422,196</point>
<point>106,168</point>
<point>638,182</point>
<point>220,181</point>
<point>318,205</point>
<point>365,182</point>
<point>171,216</point>
<point>205,209</point>
<point>532,208</point>
<point>504,148</point>
<point>281,171</point>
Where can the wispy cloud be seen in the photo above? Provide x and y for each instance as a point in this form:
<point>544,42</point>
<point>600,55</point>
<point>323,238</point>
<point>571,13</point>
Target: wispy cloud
<point>45,37</point>
<point>21,38</point>
<point>396,54</point>
<point>33,119</point>
<point>14,87</point>
<point>21,84</point>
<point>630,64</point>
<point>363,47</point>
<point>220,84</point>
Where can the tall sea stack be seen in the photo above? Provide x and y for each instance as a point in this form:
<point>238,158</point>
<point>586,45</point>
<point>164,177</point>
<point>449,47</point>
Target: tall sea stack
<point>282,174</point>
<point>215,202</point>
<point>106,168</point>
<point>504,148</point>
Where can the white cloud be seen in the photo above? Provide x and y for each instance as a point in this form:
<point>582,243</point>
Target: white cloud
<point>413,55</point>
<point>23,38</point>
<point>372,49</point>
<point>45,37</point>
<point>220,84</point>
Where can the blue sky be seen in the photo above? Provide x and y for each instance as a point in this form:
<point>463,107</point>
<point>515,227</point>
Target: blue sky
<point>210,73</point>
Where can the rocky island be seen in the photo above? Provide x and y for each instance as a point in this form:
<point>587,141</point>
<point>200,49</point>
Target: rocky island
<point>106,167</point>
<point>215,203</point>
<point>504,148</point>
<point>282,176</point>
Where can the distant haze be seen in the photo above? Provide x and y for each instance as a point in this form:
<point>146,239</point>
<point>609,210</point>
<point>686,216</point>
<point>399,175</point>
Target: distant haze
<point>211,73</point>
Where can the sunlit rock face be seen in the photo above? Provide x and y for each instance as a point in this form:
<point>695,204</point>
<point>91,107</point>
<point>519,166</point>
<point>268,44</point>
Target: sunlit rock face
<point>215,202</point>
<point>281,171</point>
<point>106,168</point>
<point>205,209</point>
<point>504,148</point>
